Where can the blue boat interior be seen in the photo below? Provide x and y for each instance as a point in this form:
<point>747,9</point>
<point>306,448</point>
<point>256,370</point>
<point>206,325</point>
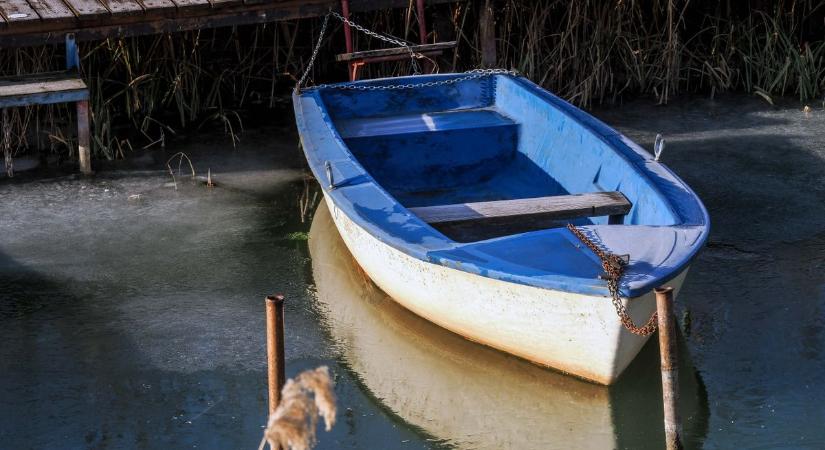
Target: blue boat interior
<point>495,138</point>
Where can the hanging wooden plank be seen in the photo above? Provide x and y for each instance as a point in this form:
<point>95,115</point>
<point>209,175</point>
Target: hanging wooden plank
<point>52,10</point>
<point>395,51</point>
<point>17,11</point>
<point>87,9</point>
<point>122,6</point>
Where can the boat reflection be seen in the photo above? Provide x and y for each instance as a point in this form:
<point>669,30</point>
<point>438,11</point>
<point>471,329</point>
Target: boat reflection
<point>471,396</point>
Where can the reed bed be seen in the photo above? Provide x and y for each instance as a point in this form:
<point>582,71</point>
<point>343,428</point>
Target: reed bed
<point>145,90</point>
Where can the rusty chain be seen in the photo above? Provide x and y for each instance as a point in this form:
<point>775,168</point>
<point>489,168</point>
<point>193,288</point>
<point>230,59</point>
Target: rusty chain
<point>614,266</point>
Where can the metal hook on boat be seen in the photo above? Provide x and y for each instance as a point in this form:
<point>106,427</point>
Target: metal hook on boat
<point>658,147</point>
<point>330,180</point>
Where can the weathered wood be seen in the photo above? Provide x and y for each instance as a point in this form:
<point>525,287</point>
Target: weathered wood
<point>192,4</point>
<point>156,21</point>
<point>158,7</point>
<point>487,35</point>
<point>54,10</point>
<point>83,149</point>
<point>395,51</point>
<point>87,9</point>
<point>275,359</point>
<point>670,367</point>
<point>122,6</point>
<point>555,208</point>
<point>56,87</point>
<point>17,11</point>
<point>224,3</point>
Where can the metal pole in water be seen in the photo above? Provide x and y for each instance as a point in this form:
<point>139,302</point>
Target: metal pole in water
<point>276,364</point>
<point>670,367</point>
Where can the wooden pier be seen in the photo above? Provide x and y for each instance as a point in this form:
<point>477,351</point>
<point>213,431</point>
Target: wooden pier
<point>38,22</point>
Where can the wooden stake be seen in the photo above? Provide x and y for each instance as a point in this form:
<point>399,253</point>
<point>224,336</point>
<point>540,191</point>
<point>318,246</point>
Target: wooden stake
<point>670,367</point>
<point>488,35</point>
<point>83,152</point>
<point>276,364</point>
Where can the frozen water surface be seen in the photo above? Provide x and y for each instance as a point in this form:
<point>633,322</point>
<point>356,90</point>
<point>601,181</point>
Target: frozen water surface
<point>131,311</point>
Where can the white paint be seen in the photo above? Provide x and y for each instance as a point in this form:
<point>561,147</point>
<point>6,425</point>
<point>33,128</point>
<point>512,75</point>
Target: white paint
<point>577,334</point>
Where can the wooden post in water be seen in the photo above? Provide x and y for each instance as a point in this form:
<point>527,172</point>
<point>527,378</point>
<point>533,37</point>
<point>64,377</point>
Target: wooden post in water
<point>670,367</point>
<point>276,364</point>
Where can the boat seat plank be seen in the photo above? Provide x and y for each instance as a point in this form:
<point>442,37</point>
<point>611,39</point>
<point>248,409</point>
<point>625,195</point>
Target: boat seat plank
<point>418,123</point>
<point>44,88</point>
<point>554,207</point>
<point>395,51</point>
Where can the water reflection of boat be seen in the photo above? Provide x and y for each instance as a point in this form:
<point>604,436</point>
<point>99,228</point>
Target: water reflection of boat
<point>469,395</point>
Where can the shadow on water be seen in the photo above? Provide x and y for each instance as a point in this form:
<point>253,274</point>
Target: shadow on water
<point>138,322</point>
<point>65,384</point>
<point>470,396</point>
<point>755,299</point>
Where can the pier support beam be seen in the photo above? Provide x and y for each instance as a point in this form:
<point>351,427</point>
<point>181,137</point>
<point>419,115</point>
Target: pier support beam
<point>487,35</point>
<point>276,363</point>
<point>670,368</point>
<point>83,149</point>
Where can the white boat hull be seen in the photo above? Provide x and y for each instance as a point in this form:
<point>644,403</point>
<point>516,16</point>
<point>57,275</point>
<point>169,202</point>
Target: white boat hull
<point>577,334</point>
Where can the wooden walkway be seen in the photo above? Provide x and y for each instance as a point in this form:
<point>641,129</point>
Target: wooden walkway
<point>38,22</point>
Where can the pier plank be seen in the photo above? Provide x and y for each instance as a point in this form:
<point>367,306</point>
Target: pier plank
<point>158,6</point>
<point>123,6</point>
<point>192,4</point>
<point>94,21</point>
<point>52,10</point>
<point>87,9</point>
<point>17,11</point>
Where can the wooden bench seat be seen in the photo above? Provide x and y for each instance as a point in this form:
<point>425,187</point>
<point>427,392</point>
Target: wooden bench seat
<point>558,207</point>
<point>48,88</point>
<point>41,89</point>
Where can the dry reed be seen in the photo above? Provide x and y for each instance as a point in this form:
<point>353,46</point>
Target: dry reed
<point>303,399</point>
<point>147,89</point>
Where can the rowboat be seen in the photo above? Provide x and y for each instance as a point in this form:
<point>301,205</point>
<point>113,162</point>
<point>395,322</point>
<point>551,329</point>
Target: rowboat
<point>454,191</point>
<point>412,367</point>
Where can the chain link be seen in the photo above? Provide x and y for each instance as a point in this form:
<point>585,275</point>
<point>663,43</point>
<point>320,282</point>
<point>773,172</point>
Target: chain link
<point>382,37</point>
<point>314,54</point>
<point>469,75</point>
<point>614,266</point>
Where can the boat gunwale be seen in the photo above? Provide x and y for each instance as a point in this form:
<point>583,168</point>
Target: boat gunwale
<point>437,242</point>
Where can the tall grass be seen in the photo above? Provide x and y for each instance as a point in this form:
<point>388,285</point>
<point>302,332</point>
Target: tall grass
<point>590,51</point>
<point>147,89</point>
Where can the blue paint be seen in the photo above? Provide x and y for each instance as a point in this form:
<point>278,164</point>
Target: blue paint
<point>45,98</point>
<point>499,137</point>
<point>72,53</point>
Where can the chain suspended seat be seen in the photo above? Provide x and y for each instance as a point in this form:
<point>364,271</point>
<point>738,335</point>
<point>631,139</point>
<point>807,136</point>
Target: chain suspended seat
<point>357,59</point>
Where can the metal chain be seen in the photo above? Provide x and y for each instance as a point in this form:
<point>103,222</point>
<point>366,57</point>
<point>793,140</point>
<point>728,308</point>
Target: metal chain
<point>469,75</point>
<point>614,266</point>
<point>314,54</point>
<point>382,37</point>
